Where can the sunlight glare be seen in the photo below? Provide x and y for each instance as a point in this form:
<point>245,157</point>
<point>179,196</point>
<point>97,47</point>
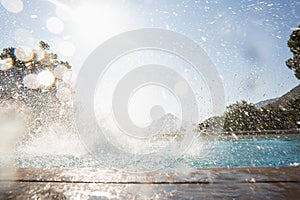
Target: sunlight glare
<point>30,81</point>
<point>24,54</point>
<point>6,64</point>
<point>59,71</point>
<point>46,78</point>
<point>93,22</point>
<point>39,54</point>
<point>13,6</point>
<point>55,25</point>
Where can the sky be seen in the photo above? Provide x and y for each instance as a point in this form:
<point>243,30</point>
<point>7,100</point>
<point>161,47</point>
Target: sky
<point>246,40</point>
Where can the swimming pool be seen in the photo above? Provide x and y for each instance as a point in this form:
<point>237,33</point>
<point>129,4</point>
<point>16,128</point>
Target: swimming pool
<point>259,151</point>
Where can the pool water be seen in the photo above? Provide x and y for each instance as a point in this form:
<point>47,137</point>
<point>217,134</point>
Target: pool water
<point>283,150</point>
<point>260,152</point>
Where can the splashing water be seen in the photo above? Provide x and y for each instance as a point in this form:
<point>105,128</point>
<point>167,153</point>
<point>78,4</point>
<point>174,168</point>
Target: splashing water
<point>44,118</point>
<point>33,109</point>
<point>59,142</point>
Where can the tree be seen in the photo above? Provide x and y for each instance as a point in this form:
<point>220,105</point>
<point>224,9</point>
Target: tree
<point>19,85</point>
<point>293,110</point>
<point>294,45</point>
<point>274,118</point>
<point>241,116</point>
<point>212,125</point>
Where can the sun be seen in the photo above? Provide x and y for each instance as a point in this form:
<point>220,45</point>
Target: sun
<point>96,22</point>
<point>93,21</point>
<point>79,26</point>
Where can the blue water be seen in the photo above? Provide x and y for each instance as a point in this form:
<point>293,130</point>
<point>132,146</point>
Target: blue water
<point>259,152</point>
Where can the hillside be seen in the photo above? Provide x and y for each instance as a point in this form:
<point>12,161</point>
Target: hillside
<point>166,124</point>
<point>265,102</point>
<point>280,101</point>
<point>284,99</point>
<point>171,127</point>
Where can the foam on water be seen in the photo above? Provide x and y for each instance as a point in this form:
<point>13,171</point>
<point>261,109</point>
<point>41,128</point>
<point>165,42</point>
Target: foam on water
<point>56,148</point>
<point>54,141</point>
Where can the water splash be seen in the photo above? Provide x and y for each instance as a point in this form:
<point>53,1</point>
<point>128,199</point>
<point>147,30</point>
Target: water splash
<point>58,141</point>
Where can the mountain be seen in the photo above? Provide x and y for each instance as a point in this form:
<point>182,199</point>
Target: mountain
<point>280,101</point>
<point>284,99</point>
<point>168,123</point>
<point>170,127</point>
<point>265,102</point>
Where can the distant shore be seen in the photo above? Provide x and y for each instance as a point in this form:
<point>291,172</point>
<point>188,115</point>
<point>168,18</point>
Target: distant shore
<point>249,134</point>
<point>234,135</point>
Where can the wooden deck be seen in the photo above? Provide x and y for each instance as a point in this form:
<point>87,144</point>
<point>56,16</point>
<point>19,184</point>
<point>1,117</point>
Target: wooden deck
<point>236,183</point>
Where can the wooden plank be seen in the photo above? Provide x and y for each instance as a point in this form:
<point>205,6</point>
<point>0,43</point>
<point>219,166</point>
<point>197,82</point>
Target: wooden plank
<point>216,175</point>
<point>239,183</point>
<point>44,190</point>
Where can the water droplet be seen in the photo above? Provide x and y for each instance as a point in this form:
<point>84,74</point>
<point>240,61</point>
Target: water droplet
<point>39,54</point>
<point>6,64</point>
<point>46,78</point>
<point>234,136</point>
<point>63,94</point>
<point>24,54</point>
<point>251,180</point>
<point>67,76</point>
<point>55,25</point>
<point>59,71</point>
<point>34,16</point>
<point>30,81</point>
<point>14,6</point>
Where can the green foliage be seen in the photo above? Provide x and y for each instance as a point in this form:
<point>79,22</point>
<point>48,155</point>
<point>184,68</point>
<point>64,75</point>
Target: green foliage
<point>294,45</point>
<point>274,118</point>
<point>293,110</point>
<point>11,80</point>
<point>246,117</point>
<point>7,53</point>
<point>243,116</point>
<point>212,124</point>
<point>44,45</point>
<point>42,103</point>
